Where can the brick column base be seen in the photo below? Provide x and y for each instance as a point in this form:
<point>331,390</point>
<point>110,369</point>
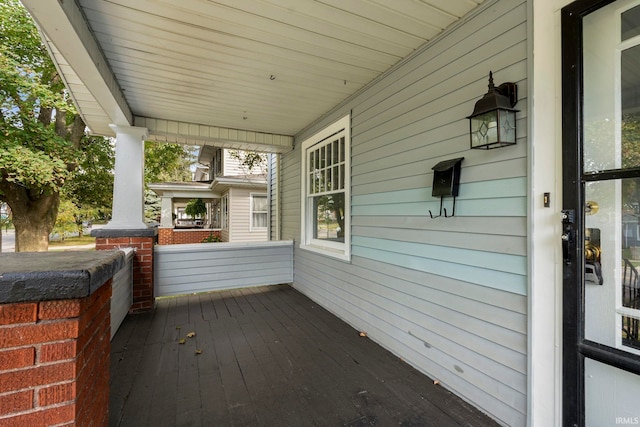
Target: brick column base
<point>54,364</point>
<point>55,351</point>
<point>143,242</point>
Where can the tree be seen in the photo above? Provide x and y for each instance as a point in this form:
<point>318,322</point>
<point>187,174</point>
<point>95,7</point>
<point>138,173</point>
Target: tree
<point>164,163</point>
<point>91,186</point>
<point>66,220</point>
<point>40,132</point>
<point>195,208</point>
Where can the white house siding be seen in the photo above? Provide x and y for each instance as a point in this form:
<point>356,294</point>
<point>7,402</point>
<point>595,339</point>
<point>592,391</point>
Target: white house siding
<point>274,196</point>
<point>231,165</point>
<point>448,295</point>
<point>240,216</point>
<point>204,267</point>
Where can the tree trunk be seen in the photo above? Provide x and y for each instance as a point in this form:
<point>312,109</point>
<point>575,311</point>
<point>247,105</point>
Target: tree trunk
<point>33,217</point>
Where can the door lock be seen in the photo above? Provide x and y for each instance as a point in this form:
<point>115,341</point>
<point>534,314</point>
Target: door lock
<point>568,218</point>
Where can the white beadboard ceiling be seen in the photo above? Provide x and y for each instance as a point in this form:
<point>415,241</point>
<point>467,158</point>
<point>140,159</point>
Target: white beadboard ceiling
<point>256,66</point>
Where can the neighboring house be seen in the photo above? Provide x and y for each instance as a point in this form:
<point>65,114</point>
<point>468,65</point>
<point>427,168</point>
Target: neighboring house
<point>359,102</point>
<point>236,201</point>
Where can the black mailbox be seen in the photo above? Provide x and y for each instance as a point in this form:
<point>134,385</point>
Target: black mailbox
<point>446,178</point>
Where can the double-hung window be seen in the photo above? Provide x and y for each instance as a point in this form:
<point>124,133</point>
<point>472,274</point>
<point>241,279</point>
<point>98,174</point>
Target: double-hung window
<point>259,212</point>
<point>326,195</point>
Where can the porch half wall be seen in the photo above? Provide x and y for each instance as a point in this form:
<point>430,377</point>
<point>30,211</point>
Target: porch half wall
<point>447,295</point>
<point>202,267</point>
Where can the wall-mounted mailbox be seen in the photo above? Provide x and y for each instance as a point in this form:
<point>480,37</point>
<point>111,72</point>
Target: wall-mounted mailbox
<point>446,180</point>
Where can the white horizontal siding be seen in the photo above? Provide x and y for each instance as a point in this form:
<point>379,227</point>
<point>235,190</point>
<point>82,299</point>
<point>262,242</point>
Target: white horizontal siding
<point>122,292</point>
<point>185,269</point>
<point>274,196</point>
<point>240,214</point>
<point>448,295</point>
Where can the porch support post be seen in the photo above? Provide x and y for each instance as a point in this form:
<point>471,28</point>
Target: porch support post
<point>166,215</point>
<point>128,186</point>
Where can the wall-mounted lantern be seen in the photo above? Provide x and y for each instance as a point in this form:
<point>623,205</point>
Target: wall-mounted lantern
<point>493,121</point>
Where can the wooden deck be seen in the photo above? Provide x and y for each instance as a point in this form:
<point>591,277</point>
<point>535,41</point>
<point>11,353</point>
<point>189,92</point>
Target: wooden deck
<point>265,356</point>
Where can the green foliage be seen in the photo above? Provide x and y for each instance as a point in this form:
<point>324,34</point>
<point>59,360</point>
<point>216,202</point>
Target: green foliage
<point>32,154</point>
<point>164,163</point>
<point>251,161</point>
<point>152,206</point>
<point>91,186</point>
<point>167,162</point>
<point>44,152</point>
<point>195,208</point>
<point>66,219</point>
<point>212,238</point>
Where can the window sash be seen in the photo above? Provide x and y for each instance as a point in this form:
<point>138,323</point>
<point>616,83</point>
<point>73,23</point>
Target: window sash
<point>326,165</point>
<point>325,175</point>
<point>259,211</point>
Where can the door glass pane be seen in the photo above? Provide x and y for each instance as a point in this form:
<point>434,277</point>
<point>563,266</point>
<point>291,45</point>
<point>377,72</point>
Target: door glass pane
<point>630,100</point>
<point>612,207</point>
<point>611,249</point>
<point>611,396</point>
<point>612,263</point>
<point>630,23</point>
<point>601,144</point>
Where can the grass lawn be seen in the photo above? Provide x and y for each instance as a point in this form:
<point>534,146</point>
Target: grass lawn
<point>73,241</point>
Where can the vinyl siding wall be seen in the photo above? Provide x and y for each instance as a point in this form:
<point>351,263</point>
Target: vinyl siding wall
<point>204,267</point>
<point>231,166</point>
<point>274,196</point>
<point>240,216</point>
<point>448,295</point>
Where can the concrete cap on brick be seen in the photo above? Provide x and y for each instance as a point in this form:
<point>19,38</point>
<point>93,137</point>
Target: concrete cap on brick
<point>42,276</point>
<point>113,233</point>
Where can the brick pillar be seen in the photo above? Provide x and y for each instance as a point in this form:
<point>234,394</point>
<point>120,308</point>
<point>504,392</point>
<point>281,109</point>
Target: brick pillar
<point>165,236</point>
<point>55,353</point>
<point>143,242</point>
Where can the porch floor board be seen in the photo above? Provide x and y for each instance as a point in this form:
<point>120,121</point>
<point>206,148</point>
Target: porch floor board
<point>265,356</point>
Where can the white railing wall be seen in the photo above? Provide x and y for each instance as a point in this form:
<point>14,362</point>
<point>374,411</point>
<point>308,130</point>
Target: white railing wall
<point>122,291</point>
<point>202,267</point>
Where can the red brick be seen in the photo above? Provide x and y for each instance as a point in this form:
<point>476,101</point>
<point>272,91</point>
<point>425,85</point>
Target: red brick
<point>59,309</point>
<point>51,416</point>
<point>49,331</point>
<point>16,402</point>
<point>55,394</point>
<point>58,351</point>
<point>18,358</point>
<point>18,313</point>
<point>36,376</point>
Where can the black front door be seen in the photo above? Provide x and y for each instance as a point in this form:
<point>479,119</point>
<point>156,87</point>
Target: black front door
<point>601,216</point>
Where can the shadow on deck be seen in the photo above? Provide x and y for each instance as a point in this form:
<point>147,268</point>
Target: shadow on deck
<point>265,356</point>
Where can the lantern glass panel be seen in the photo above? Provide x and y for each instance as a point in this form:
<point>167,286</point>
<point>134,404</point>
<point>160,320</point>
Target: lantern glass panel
<point>484,129</point>
<point>507,127</point>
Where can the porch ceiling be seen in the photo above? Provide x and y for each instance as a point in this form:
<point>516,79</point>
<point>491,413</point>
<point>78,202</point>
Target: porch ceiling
<point>237,73</point>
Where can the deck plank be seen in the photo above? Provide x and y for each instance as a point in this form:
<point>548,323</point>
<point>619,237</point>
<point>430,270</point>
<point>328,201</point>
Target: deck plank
<point>265,356</point>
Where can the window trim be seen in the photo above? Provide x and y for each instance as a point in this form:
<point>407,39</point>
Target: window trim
<point>339,250</point>
<point>224,212</point>
<point>252,227</point>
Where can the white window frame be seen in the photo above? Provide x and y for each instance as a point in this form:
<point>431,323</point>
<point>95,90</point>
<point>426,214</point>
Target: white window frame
<point>339,250</point>
<point>252,226</point>
<point>224,211</point>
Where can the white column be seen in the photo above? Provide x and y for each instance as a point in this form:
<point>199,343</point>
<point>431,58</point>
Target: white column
<point>128,186</point>
<point>166,215</point>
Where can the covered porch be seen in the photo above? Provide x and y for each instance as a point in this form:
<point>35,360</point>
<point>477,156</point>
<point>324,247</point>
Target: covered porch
<point>472,299</point>
<point>265,356</point>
